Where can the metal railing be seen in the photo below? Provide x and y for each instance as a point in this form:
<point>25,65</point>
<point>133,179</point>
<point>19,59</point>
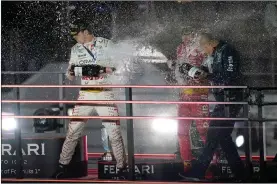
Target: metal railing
<point>41,72</point>
<point>129,112</point>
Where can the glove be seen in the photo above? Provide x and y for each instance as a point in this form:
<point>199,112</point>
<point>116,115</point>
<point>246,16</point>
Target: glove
<point>109,69</point>
<point>70,73</point>
<point>171,64</point>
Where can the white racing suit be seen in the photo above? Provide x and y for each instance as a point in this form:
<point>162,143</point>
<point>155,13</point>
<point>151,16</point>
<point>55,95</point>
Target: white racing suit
<point>80,56</point>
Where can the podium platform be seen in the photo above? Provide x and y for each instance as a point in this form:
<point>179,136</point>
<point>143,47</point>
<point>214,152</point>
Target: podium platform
<point>40,157</point>
<point>170,171</point>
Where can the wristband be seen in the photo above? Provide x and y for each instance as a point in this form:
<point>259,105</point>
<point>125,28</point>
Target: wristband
<point>78,71</point>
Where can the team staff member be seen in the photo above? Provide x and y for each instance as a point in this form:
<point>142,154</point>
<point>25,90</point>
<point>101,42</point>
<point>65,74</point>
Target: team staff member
<point>222,69</point>
<point>91,50</point>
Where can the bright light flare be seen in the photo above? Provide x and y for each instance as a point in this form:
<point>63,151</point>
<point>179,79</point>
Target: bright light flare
<point>69,112</point>
<point>9,123</point>
<point>239,141</point>
<point>163,125</point>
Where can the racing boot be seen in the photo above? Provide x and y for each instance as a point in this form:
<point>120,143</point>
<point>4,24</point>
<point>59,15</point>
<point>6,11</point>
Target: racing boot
<point>61,172</point>
<point>123,170</point>
<point>191,173</point>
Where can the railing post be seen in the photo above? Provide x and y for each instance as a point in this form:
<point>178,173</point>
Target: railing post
<point>130,135</point>
<point>273,59</point>
<point>62,105</point>
<point>262,138</point>
<point>17,133</point>
<point>248,142</point>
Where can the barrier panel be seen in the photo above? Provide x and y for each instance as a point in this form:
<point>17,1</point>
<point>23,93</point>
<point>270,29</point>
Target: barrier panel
<point>129,117</point>
<point>40,156</point>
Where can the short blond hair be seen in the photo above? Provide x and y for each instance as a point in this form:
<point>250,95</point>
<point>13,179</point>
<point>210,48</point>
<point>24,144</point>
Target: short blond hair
<point>210,38</point>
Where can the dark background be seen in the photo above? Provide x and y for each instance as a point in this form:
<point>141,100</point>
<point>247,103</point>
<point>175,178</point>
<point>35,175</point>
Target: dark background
<point>36,33</point>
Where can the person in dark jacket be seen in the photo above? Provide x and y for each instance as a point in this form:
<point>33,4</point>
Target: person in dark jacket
<point>221,68</point>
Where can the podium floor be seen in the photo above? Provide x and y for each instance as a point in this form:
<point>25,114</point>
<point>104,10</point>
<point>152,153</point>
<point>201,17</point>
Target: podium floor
<point>87,179</point>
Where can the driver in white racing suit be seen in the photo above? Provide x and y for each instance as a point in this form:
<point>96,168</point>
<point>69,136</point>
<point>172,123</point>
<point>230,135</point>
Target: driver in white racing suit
<point>91,50</point>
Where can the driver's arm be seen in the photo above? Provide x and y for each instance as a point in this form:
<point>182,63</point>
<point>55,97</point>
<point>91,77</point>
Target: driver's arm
<point>72,60</point>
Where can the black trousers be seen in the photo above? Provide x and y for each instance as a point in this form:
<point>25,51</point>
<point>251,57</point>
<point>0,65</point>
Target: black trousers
<point>219,133</point>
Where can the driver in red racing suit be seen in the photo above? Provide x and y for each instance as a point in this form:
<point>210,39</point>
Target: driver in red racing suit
<point>191,134</point>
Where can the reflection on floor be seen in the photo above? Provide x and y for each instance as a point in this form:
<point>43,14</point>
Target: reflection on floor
<point>88,179</point>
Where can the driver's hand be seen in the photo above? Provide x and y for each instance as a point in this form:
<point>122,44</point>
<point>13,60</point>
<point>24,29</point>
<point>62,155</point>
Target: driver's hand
<point>70,77</point>
<point>171,64</point>
<point>110,69</point>
<point>70,73</point>
<point>203,76</point>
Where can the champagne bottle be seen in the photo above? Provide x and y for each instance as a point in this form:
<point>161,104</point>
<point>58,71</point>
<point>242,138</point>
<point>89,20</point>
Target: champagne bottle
<point>89,70</point>
<point>190,70</point>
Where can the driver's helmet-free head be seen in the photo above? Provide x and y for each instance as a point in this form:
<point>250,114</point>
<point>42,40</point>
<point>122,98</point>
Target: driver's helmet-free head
<point>77,26</point>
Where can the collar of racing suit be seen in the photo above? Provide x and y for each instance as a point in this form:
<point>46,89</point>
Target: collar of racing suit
<point>93,42</point>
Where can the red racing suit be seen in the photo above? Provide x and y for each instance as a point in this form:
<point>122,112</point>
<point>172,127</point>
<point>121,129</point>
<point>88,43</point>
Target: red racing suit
<point>191,134</point>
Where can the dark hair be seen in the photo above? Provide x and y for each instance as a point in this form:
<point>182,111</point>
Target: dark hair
<point>90,29</point>
<point>79,25</point>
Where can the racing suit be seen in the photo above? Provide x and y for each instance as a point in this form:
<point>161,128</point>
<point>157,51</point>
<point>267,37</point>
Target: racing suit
<point>80,56</point>
<point>191,134</point>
